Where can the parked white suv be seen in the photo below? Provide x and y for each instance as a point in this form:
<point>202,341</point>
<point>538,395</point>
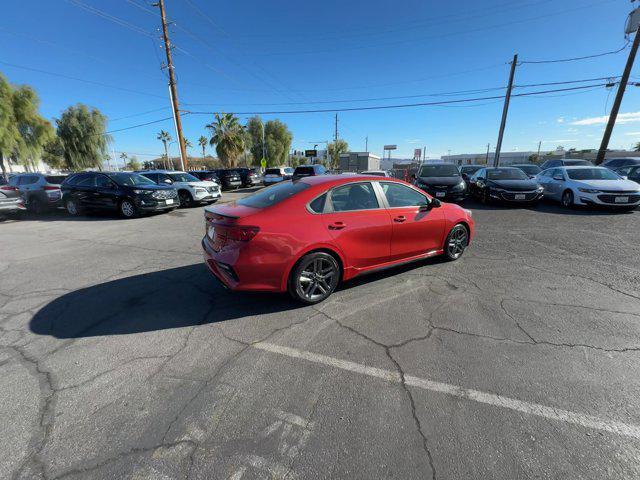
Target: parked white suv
<point>191,190</point>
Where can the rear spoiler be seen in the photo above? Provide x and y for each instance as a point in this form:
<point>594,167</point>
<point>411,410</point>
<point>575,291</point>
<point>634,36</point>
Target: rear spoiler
<point>212,212</point>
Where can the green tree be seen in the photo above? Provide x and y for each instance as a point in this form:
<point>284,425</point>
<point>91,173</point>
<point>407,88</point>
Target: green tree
<point>202,141</point>
<point>187,144</point>
<point>278,139</point>
<point>254,135</point>
<point>53,154</point>
<point>133,163</point>
<point>637,147</point>
<point>23,131</point>
<point>335,149</point>
<point>165,138</point>
<point>82,134</point>
<point>123,157</point>
<point>228,137</point>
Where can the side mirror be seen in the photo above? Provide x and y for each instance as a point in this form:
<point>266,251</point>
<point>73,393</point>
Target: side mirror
<point>482,179</point>
<point>168,181</point>
<point>434,203</point>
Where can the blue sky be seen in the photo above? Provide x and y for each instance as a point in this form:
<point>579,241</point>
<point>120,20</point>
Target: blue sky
<point>279,55</point>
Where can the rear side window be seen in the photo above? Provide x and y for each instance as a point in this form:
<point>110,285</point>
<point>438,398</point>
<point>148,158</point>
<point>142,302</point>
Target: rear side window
<point>304,171</point>
<point>354,196</point>
<point>88,181</point>
<point>273,195</point>
<point>55,179</point>
<point>27,180</point>
<point>317,205</point>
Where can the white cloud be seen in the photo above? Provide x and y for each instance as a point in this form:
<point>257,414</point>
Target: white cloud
<point>632,134</point>
<point>629,117</point>
<point>560,120</point>
<point>413,141</point>
<point>572,130</point>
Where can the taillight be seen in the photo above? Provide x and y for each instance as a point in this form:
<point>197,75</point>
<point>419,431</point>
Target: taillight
<point>8,188</point>
<point>241,233</point>
<point>48,187</point>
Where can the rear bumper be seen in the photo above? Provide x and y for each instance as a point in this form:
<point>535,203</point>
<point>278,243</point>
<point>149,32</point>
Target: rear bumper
<point>249,268</point>
<point>13,205</point>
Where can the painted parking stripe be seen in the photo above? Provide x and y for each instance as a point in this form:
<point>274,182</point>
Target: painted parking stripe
<point>528,408</point>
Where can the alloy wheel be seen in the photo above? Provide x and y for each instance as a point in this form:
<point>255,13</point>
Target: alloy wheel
<point>567,199</point>
<point>127,209</point>
<point>317,279</point>
<point>457,242</point>
<point>72,208</point>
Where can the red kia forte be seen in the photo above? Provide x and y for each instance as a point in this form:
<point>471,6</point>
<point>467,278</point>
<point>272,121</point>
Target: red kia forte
<point>305,236</point>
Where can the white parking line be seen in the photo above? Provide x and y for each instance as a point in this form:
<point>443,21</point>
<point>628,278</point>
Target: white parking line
<point>529,408</point>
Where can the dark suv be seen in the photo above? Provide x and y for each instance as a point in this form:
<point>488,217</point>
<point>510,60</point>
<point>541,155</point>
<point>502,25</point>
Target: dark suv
<point>248,176</point>
<point>41,192</point>
<point>124,192</point>
<point>441,180</point>
<point>229,178</point>
<point>569,162</point>
<point>207,175</point>
<point>308,171</point>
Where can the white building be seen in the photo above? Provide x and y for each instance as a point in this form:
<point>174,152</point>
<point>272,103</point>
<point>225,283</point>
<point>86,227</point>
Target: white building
<point>506,158</point>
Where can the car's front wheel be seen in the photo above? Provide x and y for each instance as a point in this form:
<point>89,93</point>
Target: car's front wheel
<point>128,209</point>
<point>314,278</point>
<point>567,199</point>
<point>185,199</point>
<point>456,242</point>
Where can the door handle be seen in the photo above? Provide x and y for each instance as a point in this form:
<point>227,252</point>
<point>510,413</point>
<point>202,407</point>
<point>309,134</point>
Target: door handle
<point>400,219</point>
<point>337,226</point>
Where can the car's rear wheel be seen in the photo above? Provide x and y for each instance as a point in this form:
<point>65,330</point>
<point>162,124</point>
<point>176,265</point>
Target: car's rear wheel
<point>185,199</point>
<point>486,199</point>
<point>567,199</point>
<point>456,242</point>
<point>128,209</point>
<point>314,278</point>
<point>72,208</point>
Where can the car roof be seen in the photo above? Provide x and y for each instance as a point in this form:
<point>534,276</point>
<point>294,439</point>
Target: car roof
<point>338,179</point>
<point>579,167</point>
<point>524,165</point>
<point>160,171</point>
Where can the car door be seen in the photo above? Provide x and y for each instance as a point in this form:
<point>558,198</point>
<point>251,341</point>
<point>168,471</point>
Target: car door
<point>416,227</point>
<point>544,179</point>
<point>476,182</point>
<point>106,195</point>
<point>359,224</point>
<point>83,191</point>
<point>556,183</point>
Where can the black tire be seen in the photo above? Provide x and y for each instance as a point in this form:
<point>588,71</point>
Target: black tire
<point>567,199</point>
<point>127,209</point>
<point>314,278</point>
<point>73,208</point>
<point>456,242</point>
<point>186,200</point>
<point>35,206</point>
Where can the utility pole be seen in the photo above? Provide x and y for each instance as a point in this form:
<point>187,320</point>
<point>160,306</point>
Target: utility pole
<point>618,101</point>
<point>366,143</point>
<point>172,86</point>
<point>539,147</point>
<point>486,160</point>
<point>335,146</point>
<point>424,153</point>
<point>505,110</point>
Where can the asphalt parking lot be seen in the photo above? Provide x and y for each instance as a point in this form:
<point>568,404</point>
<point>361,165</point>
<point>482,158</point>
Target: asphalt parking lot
<point>121,357</point>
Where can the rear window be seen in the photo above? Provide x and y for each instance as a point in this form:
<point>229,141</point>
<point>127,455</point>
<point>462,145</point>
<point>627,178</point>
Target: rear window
<point>439,171</point>
<point>273,195</point>
<point>272,171</point>
<point>304,171</point>
<point>55,179</point>
<point>572,163</point>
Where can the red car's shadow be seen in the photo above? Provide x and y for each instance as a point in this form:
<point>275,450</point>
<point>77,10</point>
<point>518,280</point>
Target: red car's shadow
<point>174,298</point>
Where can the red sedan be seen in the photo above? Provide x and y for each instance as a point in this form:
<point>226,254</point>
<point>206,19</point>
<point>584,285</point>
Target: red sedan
<point>306,236</point>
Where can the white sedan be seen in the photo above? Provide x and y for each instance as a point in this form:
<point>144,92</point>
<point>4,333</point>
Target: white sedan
<point>583,185</point>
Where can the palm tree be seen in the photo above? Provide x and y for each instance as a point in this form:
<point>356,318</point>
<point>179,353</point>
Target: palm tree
<point>203,144</point>
<point>228,137</point>
<point>165,138</point>
<point>124,157</point>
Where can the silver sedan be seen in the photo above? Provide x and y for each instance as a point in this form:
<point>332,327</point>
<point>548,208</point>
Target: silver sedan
<point>583,185</point>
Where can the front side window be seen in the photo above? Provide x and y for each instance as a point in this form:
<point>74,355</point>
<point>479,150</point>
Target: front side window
<point>399,195</point>
<point>355,196</point>
<point>88,181</point>
<point>479,174</point>
<point>103,182</point>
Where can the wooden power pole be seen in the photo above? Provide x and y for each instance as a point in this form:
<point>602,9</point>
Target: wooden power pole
<point>505,110</point>
<point>618,101</point>
<point>173,91</point>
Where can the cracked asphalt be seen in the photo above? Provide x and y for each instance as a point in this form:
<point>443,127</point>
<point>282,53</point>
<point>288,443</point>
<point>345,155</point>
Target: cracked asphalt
<point>120,357</point>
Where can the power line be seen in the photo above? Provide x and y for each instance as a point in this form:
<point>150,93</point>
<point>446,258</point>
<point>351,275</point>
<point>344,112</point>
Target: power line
<point>141,124</point>
<point>110,17</point>
<point>440,94</point>
<point>574,59</point>
<point>407,105</point>
<point>91,82</point>
<point>138,114</point>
